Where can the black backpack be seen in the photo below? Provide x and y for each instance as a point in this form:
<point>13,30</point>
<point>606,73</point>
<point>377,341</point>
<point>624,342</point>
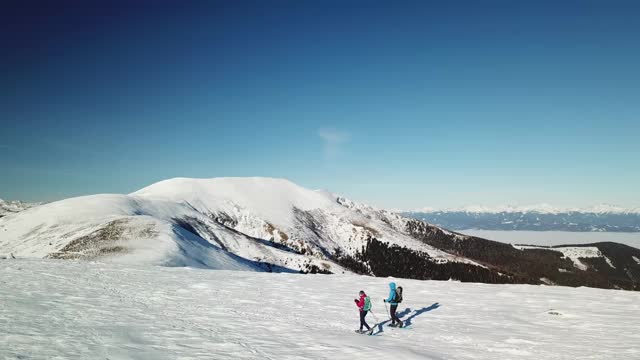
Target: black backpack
<point>398,297</point>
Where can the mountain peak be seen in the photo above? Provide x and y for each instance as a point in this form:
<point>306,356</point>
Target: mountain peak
<point>272,199</point>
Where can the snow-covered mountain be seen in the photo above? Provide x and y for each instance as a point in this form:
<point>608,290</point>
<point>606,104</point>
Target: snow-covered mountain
<point>244,223</point>
<point>266,224</point>
<point>10,207</point>
<point>536,208</point>
<point>541,217</point>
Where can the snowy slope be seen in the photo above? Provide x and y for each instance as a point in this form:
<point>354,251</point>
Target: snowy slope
<point>84,310</point>
<point>132,229</point>
<point>268,198</point>
<point>575,254</point>
<point>267,224</point>
<point>115,226</point>
<point>314,222</point>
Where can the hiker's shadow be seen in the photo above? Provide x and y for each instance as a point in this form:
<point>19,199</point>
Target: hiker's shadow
<point>408,321</point>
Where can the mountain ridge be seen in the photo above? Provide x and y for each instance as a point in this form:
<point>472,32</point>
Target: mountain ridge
<point>536,208</point>
<point>265,224</point>
<point>14,206</point>
<point>597,219</point>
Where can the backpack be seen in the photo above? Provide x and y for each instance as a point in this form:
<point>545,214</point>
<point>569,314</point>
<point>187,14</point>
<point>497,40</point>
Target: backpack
<point>398,297</point>
<point>367,304</point>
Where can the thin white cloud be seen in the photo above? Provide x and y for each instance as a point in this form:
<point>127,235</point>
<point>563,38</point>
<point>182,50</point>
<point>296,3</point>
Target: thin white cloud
<point>332,141</point>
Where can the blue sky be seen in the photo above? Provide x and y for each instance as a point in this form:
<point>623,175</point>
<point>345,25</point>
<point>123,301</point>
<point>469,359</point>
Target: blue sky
<point>399,104</point>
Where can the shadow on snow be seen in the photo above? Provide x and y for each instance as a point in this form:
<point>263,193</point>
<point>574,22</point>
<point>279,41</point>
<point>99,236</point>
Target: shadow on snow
<point>408,321</point>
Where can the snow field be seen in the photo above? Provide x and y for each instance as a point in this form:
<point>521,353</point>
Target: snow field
<point>86,310</point>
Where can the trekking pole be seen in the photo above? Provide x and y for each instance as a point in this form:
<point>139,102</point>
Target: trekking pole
<point>374,316</point>
<point>385,306</point>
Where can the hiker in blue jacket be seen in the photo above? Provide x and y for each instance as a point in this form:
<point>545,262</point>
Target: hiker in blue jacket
<point>393,300</point>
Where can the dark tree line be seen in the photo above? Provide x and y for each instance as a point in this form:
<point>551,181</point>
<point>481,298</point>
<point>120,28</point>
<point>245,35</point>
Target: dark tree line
<point>394,260</point>
<point>535,264</point>
<point>381,259</point>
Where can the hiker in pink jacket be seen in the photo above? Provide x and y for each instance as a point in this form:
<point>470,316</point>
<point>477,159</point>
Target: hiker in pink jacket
<point>364,304</point>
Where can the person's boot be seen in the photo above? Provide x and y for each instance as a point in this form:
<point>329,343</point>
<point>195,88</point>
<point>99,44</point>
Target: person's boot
<point>400,324</point>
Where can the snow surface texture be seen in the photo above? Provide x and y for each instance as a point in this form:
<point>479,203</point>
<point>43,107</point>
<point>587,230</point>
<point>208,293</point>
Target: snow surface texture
<point>86,310</point>
<point>240,224</point>
<point>139,229</point>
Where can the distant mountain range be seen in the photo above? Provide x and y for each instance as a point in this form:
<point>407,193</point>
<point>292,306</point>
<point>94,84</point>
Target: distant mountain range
<point>10,207</point>
<point>264,224</point>
<point>538,208</point>
<point>534,218</point>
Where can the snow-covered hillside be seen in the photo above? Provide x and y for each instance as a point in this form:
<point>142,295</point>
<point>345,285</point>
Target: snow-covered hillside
<point>53,309</point>
<point>575,254</point>
<point>10,207</point>
<point>312,222</point>
<point>265,224</point>
<point>223,223</point>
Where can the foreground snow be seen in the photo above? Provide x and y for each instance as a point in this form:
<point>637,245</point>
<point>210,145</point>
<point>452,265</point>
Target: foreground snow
<point>82,310</point>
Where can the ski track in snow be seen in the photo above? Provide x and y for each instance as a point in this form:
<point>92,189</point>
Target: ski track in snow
<point>87,310</point>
